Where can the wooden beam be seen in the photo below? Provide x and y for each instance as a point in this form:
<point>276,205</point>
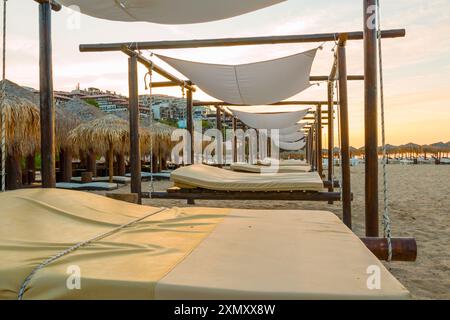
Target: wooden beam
<point>151,65</point>
<point>182,44</point>
<point>403,249</point>
<point>47,107</point>
<point>135,154</point>
<point>195,194</point>
<point>326,78</point>
<point>281,103</point>
<point>163,84</point>
<point>370,119</point>
<point>344,128</point>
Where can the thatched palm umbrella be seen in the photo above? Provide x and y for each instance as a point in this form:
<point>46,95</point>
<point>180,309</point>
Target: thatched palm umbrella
<point>22,128</point>
<point>105,135</point>
<point>72,113</point>
<point>161,141</point>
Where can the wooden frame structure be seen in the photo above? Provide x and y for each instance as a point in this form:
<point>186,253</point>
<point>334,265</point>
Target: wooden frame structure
<point>403,248</point>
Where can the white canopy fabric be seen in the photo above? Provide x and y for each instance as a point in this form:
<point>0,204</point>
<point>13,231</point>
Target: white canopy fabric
<point>270,120</point>
<point>259,83</point>
<point>292,137</point>
<point>168,11</point>
<point>291,146</point>
<point>293,129</point>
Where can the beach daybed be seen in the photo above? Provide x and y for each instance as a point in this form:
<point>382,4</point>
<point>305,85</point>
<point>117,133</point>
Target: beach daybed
<point>139,252</point>
<point>91,186</point>
<point>205,182</point>
<point>284,162</point>
<point>116,179</point>
<point>252,168</point>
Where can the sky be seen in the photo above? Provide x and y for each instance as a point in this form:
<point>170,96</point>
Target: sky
<point>416,68</point>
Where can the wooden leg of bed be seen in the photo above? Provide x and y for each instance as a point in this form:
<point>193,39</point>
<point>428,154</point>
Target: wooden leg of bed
<point>403,249</point>
<point>191,201</point>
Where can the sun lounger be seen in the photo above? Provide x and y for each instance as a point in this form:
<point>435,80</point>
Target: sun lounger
<point>91,186</point>
<point>209,183</point>
<point>246,167</point>
<point>289,162</point>
<point>206,177</point>
<point>179,253</point>
<point>116,179</point>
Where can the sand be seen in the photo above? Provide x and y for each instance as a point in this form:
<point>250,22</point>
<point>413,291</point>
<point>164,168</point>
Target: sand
<point>419,202</point>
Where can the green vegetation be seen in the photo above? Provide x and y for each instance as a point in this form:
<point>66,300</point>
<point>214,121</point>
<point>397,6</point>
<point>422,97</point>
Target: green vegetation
<point>92,102</point>
<point>169,122</point>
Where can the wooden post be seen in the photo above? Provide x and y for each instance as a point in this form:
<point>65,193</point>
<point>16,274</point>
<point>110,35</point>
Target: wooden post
<point>330,137</point>
<point>47,108</point>
<point>319,140</point>
<point>14,172</point>
<point>314,146</point>
<point>370,119</point>
<point>344,127</point>
<point>66,165</point>
<point>121,167</point>
<point>111,163</point>
<point>92,163</point>
<point>135,153</point>
<point>219,129</point>
<point>234,139</point>
<point>190,122</point>
<point>30,166</point>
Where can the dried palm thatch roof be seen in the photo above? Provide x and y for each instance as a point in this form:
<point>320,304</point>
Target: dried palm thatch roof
<point>101,135</point>
<point>82,110</point>
<point>67,116</point>
<point>161,135</point>
<point>21,119</point>
<point>71,114</point>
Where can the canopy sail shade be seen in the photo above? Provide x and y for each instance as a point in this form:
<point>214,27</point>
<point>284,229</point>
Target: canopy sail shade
<point>291,146</point>
<point>292,136</point>
<point>258,83</point>
<point>293,129</point>
<point>168,11</point>
<point>276,120</point>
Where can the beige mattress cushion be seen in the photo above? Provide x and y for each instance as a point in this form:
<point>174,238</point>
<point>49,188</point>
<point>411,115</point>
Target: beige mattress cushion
<point>186,253</point>
<point>38,224</point>
<point>283,162</point>
<point>207,177</point>
<point>279,255</point>
<point>246,167</point>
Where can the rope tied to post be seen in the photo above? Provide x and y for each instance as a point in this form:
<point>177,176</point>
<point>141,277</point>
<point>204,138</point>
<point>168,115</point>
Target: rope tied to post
<point>2,108</point>
<point>152,130</point>
<point>386,218</point>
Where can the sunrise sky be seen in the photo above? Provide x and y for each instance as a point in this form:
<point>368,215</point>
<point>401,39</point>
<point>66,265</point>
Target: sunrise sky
<point>417,68</point>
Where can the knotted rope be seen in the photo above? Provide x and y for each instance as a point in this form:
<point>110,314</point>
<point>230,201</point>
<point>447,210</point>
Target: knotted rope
<point>386,217</point>
<point>3,115</point>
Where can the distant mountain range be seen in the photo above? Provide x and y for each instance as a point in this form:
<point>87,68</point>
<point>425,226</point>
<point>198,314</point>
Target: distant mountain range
<point>408,147</point>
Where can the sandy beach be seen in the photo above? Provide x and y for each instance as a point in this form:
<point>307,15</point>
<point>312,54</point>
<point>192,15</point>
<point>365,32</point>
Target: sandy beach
<point>419,202</point>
